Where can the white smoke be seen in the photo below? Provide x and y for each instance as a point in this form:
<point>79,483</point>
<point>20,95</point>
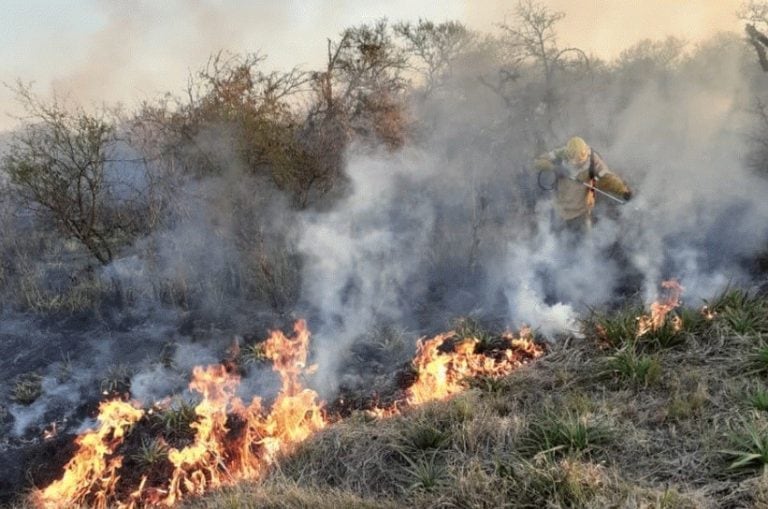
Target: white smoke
<point>363,257</point>
<point>411,230</point>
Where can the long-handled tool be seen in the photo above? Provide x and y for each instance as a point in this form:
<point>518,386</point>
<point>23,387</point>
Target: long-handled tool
<point>585,184</point>
<point>604,193</point>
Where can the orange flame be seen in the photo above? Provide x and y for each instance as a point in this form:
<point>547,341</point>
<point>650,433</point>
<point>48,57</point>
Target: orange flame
<point>94,466</point>
<point>661,308</point>
<point>443,374</point>
<point>234,440</point>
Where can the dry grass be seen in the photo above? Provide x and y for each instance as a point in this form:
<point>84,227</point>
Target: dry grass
<point>608,421</point>
<point>27,389</point>
<point>286,495</point>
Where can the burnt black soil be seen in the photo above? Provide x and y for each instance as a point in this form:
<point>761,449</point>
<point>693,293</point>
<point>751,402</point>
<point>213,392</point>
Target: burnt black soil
<point>77,357</point>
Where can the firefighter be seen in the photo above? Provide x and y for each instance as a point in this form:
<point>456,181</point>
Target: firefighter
<point>574,165</point>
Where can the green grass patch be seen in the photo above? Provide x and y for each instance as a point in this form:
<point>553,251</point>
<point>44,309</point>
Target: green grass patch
<point>427,472</point>
<point>757,399</point>
<point>564,433</point>
<point>423,436</point>
<point>669,335</point>
<point>615,329</point>
<point>631,367</point>
<point>151,452</point>
<point>748,448</point>
<point>175,421</point>
<point>117,379</point>
<point>757,359</point>
<point>741,311</point>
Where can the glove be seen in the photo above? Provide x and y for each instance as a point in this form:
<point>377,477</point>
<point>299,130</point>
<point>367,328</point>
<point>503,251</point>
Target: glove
<point>543,165</point>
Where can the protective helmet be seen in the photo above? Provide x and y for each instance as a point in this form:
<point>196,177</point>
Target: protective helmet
<point>577,150</point>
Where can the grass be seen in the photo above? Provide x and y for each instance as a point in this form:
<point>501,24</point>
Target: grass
<point>65,368</point>
<point>424,473</point>
<point>554,434</point>
<point>615,329</point>
<point>605,421</point>
<point>286,495</point>
<point>82,293</point>
<point>757,358</point>
<point>639,370</point>
<point>666,336</point>
<point>563,433</point>
<point>749,447</point>
<point>470,328</point>
<point>757,399</point>
<point>27,389</point>
<point>742,311</point>
<point>174,422</point>
<point>424,436</point>
<point>117,379</point>
<point>151,452</point>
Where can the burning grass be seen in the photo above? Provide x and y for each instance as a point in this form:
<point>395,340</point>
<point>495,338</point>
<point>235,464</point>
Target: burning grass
<point>678,426</point>
<point>159,456</point>
<point>610,420</point>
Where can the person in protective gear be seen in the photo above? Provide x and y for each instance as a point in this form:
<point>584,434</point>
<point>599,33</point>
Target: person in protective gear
<point>574,165</point>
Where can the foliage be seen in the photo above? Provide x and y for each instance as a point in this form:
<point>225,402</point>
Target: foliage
<point>615,328</point>
<point>758,399</point>
<point>637,369</point>
<point>743,311</point>
<point>27,389</point>
<point>668,335</point>
<point>435,47</point>
<point>117,379</point>
<point>757,359</point>
<point>62,164</point>
<point>749,447</point>
<point>424,473</point>
<point>151,452</point>
<point>564,433</point>
<point>423,436</point>
<point>175,420</point>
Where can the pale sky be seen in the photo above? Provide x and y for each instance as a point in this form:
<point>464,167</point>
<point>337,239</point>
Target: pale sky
<point>126,50</point>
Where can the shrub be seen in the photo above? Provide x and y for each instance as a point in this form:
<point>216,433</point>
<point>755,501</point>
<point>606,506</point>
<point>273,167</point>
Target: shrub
<point>555,433</point>
<point>629,366</point>
<point>151,452</point>
<point>27,389</point>
<point>616,329</point>
<point>749,447</point>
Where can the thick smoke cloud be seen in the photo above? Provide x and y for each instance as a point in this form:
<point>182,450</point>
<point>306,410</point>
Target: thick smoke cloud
<point>454,224</point>
<point>410,224</point>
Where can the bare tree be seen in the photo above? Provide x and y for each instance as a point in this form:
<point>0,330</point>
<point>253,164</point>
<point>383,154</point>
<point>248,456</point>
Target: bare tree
<point>534,39</point>
<point>434,47</point>
<point>253,113</point>
<point>361,86</point>
<point>59,165</point>
<point>755,14</point>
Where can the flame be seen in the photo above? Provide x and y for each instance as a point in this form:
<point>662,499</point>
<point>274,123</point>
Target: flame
<point>661,308</point>
<point>442,374</point>
<point>235,440</point>
<point>94,466</point>
<point>216,456</point>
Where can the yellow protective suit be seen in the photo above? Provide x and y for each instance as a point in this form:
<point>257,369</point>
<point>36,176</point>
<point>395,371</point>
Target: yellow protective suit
<point>574,199</point>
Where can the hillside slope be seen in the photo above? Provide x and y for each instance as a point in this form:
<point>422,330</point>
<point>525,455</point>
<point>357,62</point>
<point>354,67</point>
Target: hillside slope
<point>672,419</point>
